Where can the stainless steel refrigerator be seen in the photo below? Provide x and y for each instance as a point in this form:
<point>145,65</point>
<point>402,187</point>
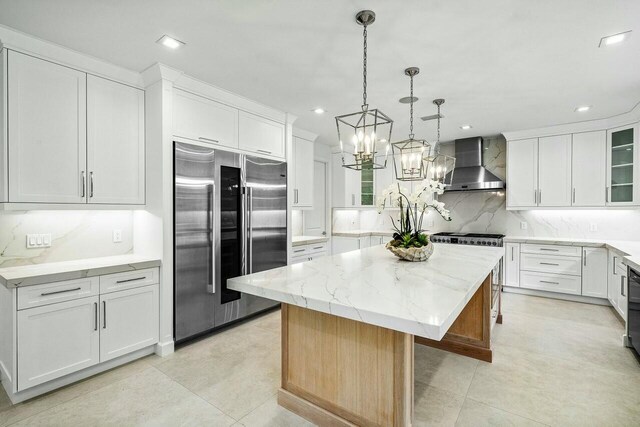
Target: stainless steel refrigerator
<point>230,219</point>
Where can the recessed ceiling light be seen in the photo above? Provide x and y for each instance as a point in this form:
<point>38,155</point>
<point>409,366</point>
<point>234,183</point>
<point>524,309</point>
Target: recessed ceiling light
<point>465,127</point>
<point>169,42</point>
<point>583,109</point>
<point>319,110</point>
<point>614,39</point>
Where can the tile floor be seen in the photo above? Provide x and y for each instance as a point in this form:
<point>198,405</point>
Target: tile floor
<point>555,363</point>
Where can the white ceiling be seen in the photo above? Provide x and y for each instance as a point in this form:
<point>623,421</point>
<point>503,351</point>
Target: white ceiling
<point>501,65</point>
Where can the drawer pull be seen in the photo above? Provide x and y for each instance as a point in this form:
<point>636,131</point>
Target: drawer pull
<point>130,280</point>
<point>549,263</point>
<point>550,250</point>
<point>319,247</point>
<point>299,250</point>
<point>44,294</point>
<point>552,283</point>
<point>202,138</point>
<point>95,313</point>
<point>264,151</point>
<point>104,315</point>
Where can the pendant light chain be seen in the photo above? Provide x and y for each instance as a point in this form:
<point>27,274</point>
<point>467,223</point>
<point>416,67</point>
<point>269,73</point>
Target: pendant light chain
<point>364,72</point>
<point>411,111</point>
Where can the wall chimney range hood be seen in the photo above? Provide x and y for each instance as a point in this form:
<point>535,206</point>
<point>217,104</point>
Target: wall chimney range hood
<point>470,173</point>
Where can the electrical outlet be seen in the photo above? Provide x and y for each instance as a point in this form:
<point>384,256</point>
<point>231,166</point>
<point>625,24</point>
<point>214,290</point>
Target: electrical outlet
<point>593,226</point>
<point>429,223</point>
<point>523,225</point>
<point>117,236</point>
<point>37,241</point>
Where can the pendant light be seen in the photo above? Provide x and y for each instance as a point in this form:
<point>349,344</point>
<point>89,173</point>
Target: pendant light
<point>364,136</point>
<point>410,155</point>
<point>440,167</point>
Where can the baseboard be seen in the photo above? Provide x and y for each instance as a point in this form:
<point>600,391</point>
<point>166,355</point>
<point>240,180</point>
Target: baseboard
<point>555,295</point>
<point>32,392</point>
<point>164,349</point>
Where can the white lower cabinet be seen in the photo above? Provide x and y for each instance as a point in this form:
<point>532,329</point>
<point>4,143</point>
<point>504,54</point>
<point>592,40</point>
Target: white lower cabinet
<point>303,253</point>
<point>617,289</point>
<point>64,327</point>
<point>56,340</point>
<point>343,244</point>
<point>129,321</point>
<point>594,272</point>
<point>512,265</point>
<point>550,282</point>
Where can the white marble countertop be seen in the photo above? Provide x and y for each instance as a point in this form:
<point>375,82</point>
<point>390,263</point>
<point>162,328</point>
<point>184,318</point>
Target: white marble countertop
<point>37,274</point>
<point>362,233</point>
<point>373,286</point>
<point>307,240</point>
<point>629,249</point>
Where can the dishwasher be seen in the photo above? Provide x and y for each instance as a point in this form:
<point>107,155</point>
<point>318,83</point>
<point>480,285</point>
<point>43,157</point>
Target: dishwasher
<point>634,308</point>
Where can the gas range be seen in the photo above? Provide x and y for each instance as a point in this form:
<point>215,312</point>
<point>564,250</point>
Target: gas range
<point>478,239</point>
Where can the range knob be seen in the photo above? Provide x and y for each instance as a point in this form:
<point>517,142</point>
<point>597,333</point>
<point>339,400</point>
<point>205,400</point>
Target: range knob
<point>483,243</point>
<point>494,244</point>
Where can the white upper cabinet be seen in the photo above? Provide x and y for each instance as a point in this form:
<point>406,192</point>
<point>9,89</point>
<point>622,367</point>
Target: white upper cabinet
<point>261,136</point>
<point>588,168</point>
<point>202,119</point>
<point>522,173</point>
<point>554,171</point>
<point>47,131</point>
<point>115,142</point>
<point>302,173</point>
<point>346,184</point>
<point>622,166</point>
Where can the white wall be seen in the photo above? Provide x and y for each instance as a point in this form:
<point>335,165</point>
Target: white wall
<point>74,234</point>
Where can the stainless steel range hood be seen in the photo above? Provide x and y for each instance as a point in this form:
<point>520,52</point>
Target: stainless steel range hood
<point>470,173</point>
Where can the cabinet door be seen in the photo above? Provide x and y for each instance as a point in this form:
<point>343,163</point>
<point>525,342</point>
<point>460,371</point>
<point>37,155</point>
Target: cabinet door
<point>202,119</point>
<point>382,178</point>
<point>47,131</point>
<point>260,135</point>
<point>129,321</point>
<point>594,272</point>
<point>622,166</point>
<point>364,242</point>
<point>57,339</point>
<point>588,168</point>
<point>341,244</point>
<point>303,173</point>
<point>622,286</point>
<point>522,173</point>
<point>554,171</point>
<point>345,184</point>
<point>613,284</point>
<point>512,265</point>
<point>115,142</point>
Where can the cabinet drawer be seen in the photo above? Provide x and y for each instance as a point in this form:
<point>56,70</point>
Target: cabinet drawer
<point>317,247</point>
<point>38,295</point>
<point>551,249</point>
<point>557,264</point>
<point>550,282</point>
<point>297,251</point>
<point>128,280</point>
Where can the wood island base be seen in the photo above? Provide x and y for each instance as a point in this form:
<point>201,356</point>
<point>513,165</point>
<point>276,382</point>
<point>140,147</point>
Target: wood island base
<point>341,372</point>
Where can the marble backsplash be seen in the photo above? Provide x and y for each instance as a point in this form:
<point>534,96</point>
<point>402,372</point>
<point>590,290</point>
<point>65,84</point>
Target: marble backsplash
<point>74,235</point>
<point>485,212</point>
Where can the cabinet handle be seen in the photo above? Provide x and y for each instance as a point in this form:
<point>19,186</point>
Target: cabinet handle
<point>584,257</point>
<point>44,294</point>
<point>95,316</point>
<point>549,263</point>
<point>606,194</point>
<point>622,286</point>
<point>299,250</point>
<point>130,280</point>
<point>202,138</point>
<point>615,261</point>
<point>295,195</point>
<point>551,283</point>
<point>84,184</point>
<point>353,200</point>
<point>573,198</point>
<point>535,197</point>
<point>90,184</point>
<point>550,250</point>
<point>318,247</point>
<point>539,197</point>
<point>512,248</point>
<point>264,151</point>
<point>104,315</point>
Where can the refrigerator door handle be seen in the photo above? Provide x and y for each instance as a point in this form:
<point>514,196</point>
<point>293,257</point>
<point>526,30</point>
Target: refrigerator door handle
<point>211,286</point>
<point>250,229</point>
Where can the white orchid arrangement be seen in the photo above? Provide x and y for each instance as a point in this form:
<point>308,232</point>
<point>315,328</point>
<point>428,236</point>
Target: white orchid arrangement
<point>412,207</point>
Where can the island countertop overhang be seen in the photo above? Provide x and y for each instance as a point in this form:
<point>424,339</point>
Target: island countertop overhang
<point>372,286</point>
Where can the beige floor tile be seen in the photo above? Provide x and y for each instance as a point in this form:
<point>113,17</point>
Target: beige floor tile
<point>271,414</point>
<point>148,398</point>
<point>476,414</point>
<point>14,413</point>
<point>444,370</point>
<point>435,407</point>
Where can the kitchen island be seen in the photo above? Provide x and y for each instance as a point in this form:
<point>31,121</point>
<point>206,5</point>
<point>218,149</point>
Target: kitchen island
<point>349,322</point>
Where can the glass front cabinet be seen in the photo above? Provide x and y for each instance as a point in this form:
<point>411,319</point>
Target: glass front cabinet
<point>622,166</point>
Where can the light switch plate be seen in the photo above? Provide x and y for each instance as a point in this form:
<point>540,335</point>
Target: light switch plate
<point>523,225</point>
<point>37,241</point>
<point>117,236</point>
<point>593,226</point>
